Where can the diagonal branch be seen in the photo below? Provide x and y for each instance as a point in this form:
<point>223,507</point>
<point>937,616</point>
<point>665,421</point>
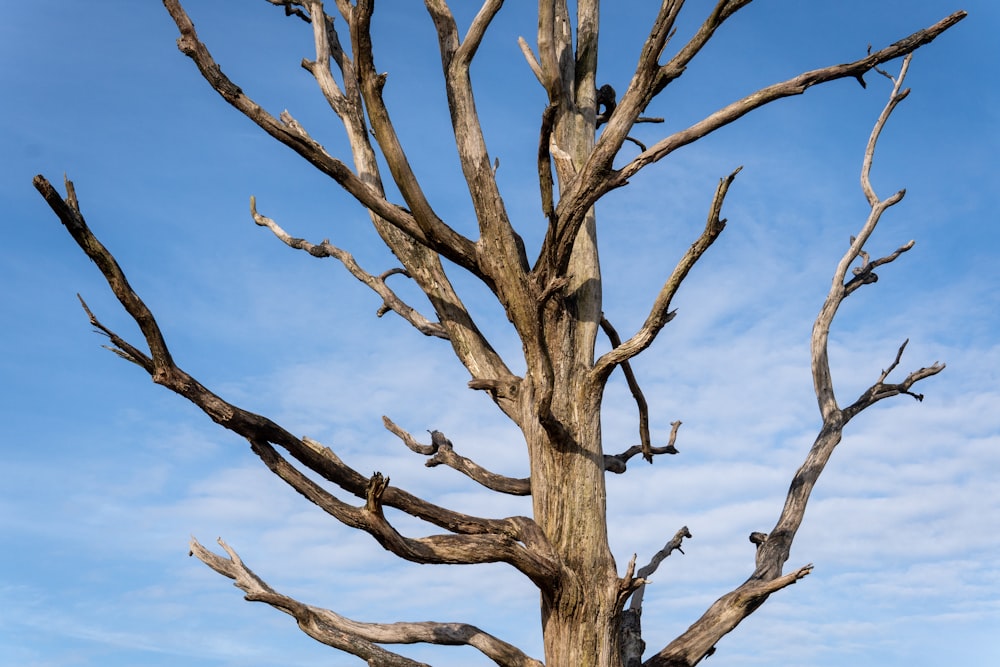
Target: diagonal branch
<point>501,251</point>
<point>357,638</point>
<point>503,546</point>
<point>515,540</point>
<point>660,313</point>
<point>598,177</point>
<point>390,301</point>
<point>773,549</point>
<point>794,86</point>
<point>421,264</point>
<point>442,452</point>
<point>429,232</point>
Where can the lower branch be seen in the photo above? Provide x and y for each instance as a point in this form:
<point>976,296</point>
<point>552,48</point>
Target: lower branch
<point>354,637</point>
<point>723,616</point>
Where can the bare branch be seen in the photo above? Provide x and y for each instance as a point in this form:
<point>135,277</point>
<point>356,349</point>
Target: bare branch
<point>68,212</point>
<point>427,231</point>
<point>660,313</point>
<point>292,8</point>
<point>647,570</point>
<point>516,540</point>
<point>698,641</point>
<point>773,549</point>
<point>501,251</point>
<point>794,86</point>
<point>633,385</point>
<point>839,289</point>
<point>357,638</point>
<point>617,463</point>
<point>598,177</point>
<point>529,56</point>
<point>442,452</point>
<point>390,301</point>
<point>881,389</point>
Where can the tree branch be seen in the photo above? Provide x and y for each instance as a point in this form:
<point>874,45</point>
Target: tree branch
<point>390,301</point>
<point>773,549</point>
<point>617,463</point>
<point>501,251</point>
<point>598,177</point>
<point>357,638</point>
<point>660,313</point>
<point>442,452</point>
<point>421,263</point>
<point>436,236</point>
<point>503,546</point>
<point>520,537</point>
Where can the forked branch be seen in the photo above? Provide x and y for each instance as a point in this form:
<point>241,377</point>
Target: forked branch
<point>773,549</point>
<point>354,637</point>
<point>598,176</point>
<point>426,229</point>
<point>515,540</point>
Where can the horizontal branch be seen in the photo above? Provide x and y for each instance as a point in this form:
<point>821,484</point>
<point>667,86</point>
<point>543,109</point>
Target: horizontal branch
<point>390,301</point>
<point>354,637</point>
<point>617,463</point>
<point>442,452</point>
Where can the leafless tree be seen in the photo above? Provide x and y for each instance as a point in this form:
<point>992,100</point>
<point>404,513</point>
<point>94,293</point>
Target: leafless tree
<point>590,607</point>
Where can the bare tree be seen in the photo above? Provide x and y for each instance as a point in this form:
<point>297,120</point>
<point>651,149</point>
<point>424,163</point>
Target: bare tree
<point>590,608</point>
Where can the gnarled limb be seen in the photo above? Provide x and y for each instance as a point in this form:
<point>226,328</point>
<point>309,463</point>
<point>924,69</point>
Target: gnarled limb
<point>509,544</point>
<point>476,539</point>
<point>390,301</point>
<point>442,452</point>
<point>773,548</point>
<point>357,638</point>
<point>598,177</point>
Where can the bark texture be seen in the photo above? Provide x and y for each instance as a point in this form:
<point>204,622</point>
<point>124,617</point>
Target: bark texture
<point>590,608</point>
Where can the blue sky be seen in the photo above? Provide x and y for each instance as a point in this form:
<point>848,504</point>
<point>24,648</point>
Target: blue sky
<point>104,476</point>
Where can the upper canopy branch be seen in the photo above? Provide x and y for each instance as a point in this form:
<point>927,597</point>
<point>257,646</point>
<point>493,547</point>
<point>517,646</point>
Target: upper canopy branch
<point>598,177</point>
<point>501,252</point>
<point>426,230</point>
<point>355,637</point>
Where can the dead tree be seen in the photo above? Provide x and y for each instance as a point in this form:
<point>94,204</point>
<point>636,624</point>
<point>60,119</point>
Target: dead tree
<point>590,607</point>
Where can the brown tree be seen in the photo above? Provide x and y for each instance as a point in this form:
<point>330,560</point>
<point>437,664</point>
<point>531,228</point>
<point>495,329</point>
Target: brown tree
<point>590,605</point>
